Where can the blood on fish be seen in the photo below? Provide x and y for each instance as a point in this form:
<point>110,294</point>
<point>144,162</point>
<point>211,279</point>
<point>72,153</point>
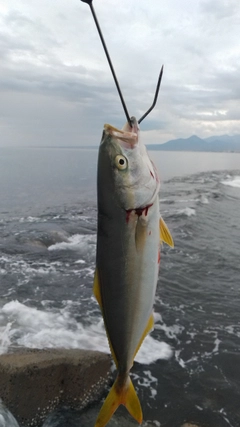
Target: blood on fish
<point>151,174</point>
<point>159,257</point>
<point>138,212</point>
<point>128,212</point>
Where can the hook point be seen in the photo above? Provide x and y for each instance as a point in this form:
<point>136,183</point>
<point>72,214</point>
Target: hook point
<point>155,96</point>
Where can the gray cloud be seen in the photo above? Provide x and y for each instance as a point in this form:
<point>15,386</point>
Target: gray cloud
<point>223,9</point>
<point>56,88</point>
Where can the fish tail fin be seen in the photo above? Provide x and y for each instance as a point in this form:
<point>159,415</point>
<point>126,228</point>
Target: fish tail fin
<point>132,402</point>
<point>121,393</point>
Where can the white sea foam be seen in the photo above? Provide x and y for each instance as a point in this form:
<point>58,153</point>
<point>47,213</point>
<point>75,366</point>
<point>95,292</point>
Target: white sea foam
<point>171,331</point>
<point>6,418</point>
<point>152,350</point>
<point>179,359</point>
<point>186,211</point>
<point>232,182</point>
<point>32,219</point>
<point>14,265</point>
<point>147,380</point>
<point>75,242</point>
<point>203,199</point>
<point>4,338</point>
<point>233,330</point>
<point>217,343</point>
<point>4,259</point>
<point>150,381</point>
<point>33,328</point>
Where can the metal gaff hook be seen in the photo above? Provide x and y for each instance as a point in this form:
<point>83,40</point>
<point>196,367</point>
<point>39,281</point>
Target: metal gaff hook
<point>155,97</point>
<point>89,2</point>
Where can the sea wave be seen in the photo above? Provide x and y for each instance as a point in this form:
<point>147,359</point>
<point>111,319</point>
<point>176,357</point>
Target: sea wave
<point>75,242</point>
<point>232,182</point>
<point>14,265</point>
<point>33,328</point>
<point>32,219</point>
<point>186,211</point>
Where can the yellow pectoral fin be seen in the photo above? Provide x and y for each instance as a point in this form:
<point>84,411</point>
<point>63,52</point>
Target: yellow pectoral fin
<point>121,393</point>
<point>165,235</point>
<point>96,288</point>
<point>149,328</point>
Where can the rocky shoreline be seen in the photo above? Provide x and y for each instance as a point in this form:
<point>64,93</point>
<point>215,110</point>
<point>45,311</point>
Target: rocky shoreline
<point>36,382</point>
<point>47,388</point>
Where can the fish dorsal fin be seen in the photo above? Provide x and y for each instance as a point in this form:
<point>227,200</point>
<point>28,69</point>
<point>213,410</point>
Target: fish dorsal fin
<point>96,288</point>
<point>97,294</point>
<point>165,235</point>
<point>149,328</point>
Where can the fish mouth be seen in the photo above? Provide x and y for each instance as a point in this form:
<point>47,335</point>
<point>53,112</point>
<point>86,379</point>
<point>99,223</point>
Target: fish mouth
<point>129,138</point>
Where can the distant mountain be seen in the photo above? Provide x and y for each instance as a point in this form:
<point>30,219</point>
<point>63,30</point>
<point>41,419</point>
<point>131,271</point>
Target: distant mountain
<point>194,143</point>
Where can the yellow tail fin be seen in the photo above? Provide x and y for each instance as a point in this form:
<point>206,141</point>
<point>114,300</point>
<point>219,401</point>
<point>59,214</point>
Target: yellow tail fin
<point>120,394</point>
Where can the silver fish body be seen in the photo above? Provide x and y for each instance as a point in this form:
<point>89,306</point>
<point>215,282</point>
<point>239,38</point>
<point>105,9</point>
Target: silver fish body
<point>127,260</point>
<point>128,255</point>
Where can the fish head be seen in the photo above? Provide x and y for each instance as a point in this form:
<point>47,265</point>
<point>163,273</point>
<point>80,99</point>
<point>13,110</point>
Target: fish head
<point>125,167</point>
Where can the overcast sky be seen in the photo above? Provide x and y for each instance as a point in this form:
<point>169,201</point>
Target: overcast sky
<point>57,89</point>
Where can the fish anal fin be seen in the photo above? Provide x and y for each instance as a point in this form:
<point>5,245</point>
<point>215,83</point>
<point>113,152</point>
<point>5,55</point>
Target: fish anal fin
<point>165,235</point>
<point>121,393</point>
<point>149,328</point>
<point>97,294</point>
<point>96,288</point>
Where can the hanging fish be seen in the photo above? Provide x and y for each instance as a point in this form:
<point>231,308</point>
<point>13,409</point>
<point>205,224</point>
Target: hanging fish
<point>128,255</point>
<point>128,246</point>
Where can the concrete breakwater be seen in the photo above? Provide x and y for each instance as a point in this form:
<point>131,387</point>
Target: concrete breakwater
<point>33,383</point>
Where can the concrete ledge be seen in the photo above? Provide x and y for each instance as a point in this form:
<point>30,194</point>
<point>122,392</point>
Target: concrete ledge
<point>35,382</point>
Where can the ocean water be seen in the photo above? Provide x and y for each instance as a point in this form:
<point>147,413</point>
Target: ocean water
<point>188,368</point>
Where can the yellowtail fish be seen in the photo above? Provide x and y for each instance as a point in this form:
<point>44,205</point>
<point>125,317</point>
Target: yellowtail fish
<point>128,255</point>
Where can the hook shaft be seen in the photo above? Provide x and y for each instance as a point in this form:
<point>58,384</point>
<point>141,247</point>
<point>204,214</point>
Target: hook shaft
<point>155,97</point>
<point>89,2</point>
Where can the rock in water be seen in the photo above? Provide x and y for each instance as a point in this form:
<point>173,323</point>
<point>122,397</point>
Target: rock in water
<point>36,382</point>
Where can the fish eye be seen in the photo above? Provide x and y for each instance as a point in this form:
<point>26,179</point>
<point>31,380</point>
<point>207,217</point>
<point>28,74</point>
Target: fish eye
<point>121,162</point>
